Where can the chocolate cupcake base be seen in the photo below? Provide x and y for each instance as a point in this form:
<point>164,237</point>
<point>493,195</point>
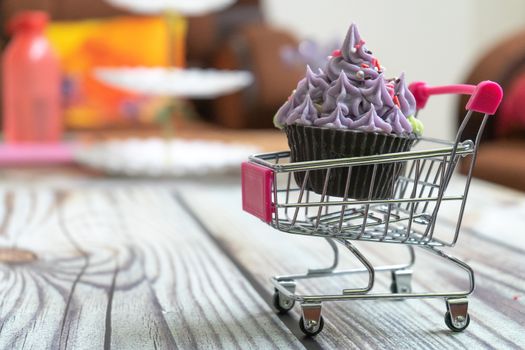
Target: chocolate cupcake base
<point>315,143</point>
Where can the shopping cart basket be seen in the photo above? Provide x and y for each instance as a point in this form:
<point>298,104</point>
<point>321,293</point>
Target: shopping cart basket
<point>276,190</point>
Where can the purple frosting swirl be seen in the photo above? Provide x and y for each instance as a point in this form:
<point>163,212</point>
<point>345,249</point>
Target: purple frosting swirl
<point>376,92</point>
<point>398,121</point>
<point>313,84</point>
<point>304,114</point>
<point>336,119</point>
<point>339,92</point>
<point>338,64</point>
<point>353,49</point>
<point>351,93</point>
<point>354,58</point>
<point>371,122</point>
<point>406,99</point>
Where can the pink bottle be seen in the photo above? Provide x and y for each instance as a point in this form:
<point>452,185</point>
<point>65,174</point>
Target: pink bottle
<point>31,83</point>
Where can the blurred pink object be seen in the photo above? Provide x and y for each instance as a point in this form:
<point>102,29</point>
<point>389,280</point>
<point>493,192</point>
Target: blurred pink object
<point>257,182</point>
<point>31,83</point>
<point>36,154</point>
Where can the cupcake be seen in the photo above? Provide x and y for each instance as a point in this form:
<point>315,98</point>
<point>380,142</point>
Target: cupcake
<point>350,109</point>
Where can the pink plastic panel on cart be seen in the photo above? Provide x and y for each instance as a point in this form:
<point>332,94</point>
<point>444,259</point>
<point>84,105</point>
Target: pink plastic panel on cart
<point>485,97</point>
<point>257,190</point>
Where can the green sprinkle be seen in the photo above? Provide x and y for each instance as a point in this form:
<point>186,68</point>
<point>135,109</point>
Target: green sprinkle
<point>417,125</point>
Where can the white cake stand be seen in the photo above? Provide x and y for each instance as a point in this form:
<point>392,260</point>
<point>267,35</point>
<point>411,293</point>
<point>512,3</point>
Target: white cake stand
<point>169,157</point>
<point>175,82</point>
<point>182,7</point>
<point>157,157</point>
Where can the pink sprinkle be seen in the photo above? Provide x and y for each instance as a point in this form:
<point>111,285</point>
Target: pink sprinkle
<point>359,44</point>
<point>364,65</point>
<point>336,53</point>
<point>375,63</point>
<point>396,101</point>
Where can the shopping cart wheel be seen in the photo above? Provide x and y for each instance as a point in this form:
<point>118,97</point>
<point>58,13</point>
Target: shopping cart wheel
<point>312,329</point>
<point>457,317</point>
<point>282,303</point>
<point>459,326</point>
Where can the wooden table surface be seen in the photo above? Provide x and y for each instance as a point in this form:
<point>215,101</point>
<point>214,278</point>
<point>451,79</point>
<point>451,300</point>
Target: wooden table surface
<point>89,262</point>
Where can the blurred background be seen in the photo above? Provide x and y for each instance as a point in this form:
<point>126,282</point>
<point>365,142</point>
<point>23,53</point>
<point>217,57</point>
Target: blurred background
<point>440,43</point>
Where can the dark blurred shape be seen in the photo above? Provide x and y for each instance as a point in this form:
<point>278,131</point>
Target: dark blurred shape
<point>256,47</point>
<point>501,158</point>
<point>236,38</point>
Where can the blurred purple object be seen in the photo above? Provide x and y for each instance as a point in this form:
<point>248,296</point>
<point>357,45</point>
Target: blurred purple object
<point>309,52</point>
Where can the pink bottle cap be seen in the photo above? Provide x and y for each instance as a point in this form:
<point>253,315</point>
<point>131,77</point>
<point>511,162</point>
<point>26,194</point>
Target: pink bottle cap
<point>23,20</point>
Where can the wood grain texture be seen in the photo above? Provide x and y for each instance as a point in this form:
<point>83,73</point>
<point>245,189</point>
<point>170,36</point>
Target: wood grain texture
<point>496,307</point>
<point>497,213</point>
<point>124,269</point>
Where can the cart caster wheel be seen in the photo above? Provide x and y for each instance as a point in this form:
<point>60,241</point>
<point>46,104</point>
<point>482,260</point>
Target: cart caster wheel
<point>281,303</point>
<point>460,326</point>
<point>314,329</point>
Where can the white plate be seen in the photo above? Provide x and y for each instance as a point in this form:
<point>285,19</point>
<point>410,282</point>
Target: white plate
<point>192,83</point>
<point>184,7</point>
<point>156,157</point>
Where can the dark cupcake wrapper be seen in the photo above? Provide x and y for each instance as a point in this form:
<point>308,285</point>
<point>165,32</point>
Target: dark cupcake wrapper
<point>309,143</point>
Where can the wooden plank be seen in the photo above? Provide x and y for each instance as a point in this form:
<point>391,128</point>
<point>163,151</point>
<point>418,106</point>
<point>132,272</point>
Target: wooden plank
<point>495,308</point>
<point>122,269</point>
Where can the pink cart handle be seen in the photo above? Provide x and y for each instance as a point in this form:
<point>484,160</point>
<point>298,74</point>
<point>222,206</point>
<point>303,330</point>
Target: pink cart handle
<point>485,97</point>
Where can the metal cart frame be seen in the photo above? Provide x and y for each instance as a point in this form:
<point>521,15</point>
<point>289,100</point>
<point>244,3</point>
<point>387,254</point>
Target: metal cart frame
<point>409,217</point>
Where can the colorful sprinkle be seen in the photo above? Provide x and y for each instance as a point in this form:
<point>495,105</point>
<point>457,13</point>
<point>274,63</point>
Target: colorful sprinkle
<point>359,44</point>
<point>336,53</point>
<point>396,101</point>
<point>376,64</point>
<point>364,65</point>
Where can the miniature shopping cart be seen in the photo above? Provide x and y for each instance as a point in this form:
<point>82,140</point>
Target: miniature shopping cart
<point>276,190</point>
